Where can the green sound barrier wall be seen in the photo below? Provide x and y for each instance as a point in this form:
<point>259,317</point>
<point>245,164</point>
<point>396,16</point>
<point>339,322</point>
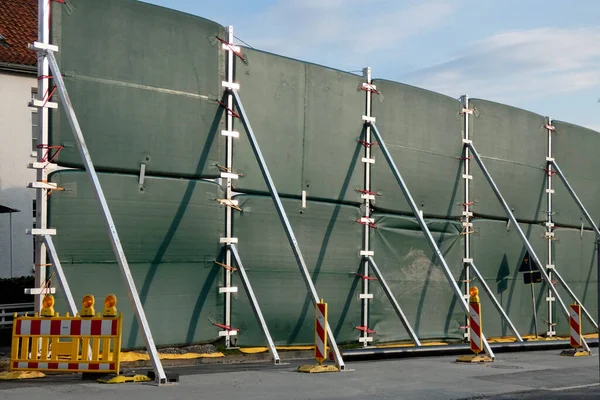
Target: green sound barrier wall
<point>144,82</point>
<point>170,234</point>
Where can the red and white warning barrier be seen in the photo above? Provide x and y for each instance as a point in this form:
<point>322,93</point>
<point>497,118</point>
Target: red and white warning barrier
<point>63,366</point>
<point>74,327</point>
<point>320,331</point>
<point>575,323</point>
<point>475,324</point>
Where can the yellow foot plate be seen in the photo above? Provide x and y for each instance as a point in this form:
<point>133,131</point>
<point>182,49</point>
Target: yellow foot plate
<point>125,379</point>
<point>313,369</point>
<point>472,358</point>
<point>575,353</point>
<point>12,375</point>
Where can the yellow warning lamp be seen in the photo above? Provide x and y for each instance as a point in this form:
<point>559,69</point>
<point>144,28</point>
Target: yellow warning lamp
<point>47,306</point>
<point>88,306</point>
<point>474,293</point>
<point>110,303</point>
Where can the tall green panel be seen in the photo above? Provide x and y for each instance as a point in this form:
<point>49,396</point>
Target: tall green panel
<point>143,81</point>
<point>512,144</point>
<point>575,150</point>
<point>498,252</point>
<point>575,257</point>
<point>416,278</point>
<point>169,231</point>
<point>307,120</point>
<point>329,239</point>
<point>422,131</point>
<point>272,91</point>
<point>332,167</point>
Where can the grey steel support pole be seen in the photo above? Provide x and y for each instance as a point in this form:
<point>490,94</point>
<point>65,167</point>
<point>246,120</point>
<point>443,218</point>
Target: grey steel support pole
<point>532,253</point>
<point>62,279</point>
<point>394,302</point>
<point>467,213</point>
<point>112,230</point>
<point>574,195</point>
<point>549,232</point>
<point>41,198</point>
<point>255,305</point>
<point>366,197</point>
<point>598,290</point>
<point>496,303</point>
<point>427,232</point>
<point>228,192</point>
<point>286,224</point>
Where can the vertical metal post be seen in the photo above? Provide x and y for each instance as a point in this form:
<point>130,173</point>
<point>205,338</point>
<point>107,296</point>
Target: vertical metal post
<point>534,308</point>
<point>495,301</point>
<point>467,213</point>
<point>427,232</point>
<point>112,230</point>
<point>228,190</point>
<point>365,296</point>
<point>598,290</point>
<point>286,224</point>
<point>255,305</point>
<point>549,232</point>
<point>41,215</point>
<point>394,302</point>
<point>513,219</point>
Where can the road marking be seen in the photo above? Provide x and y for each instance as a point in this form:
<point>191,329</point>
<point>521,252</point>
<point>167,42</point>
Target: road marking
<point>572,387</point>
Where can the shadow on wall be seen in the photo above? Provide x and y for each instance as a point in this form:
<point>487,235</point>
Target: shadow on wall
<point>158,258</point>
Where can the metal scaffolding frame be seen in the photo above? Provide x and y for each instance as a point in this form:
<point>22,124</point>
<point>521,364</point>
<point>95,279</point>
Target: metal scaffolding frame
<point>367,254</point>
<point>594,226</point>
<point>438,254</point>
<point>467,214</point>
<point>230,204</point>
<point>312,291</point>
<point>526,242</point>
<point>549,231</point>
<point>46,51</point>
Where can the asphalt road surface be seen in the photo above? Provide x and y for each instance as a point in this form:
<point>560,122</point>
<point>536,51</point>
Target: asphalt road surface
<point>528,375</point>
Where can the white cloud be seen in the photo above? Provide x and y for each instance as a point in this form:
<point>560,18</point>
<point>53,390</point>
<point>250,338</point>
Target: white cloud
<point>344,34</point>
<point>529,64</point>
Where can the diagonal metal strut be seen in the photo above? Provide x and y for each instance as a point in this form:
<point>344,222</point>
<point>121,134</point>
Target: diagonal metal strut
<point>427,232</point>
<point>286,223</point>
<point>394,302</point>
<point>254,303</point>
<point>495,301</point>
<point>112,230</point>
<point>528,245</point>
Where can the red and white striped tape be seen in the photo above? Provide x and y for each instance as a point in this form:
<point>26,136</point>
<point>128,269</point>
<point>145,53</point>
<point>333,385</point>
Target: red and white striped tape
<point>475,325</point>
<point>575,323</point>
<point>59,327</point>
<point>63,366</point>
<point>321,333</point>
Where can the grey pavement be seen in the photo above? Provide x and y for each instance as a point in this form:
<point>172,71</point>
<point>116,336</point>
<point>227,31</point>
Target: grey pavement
<point>526,375</point>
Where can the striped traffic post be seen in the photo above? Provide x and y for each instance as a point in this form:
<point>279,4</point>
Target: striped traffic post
<point>476,335</point>
<point>320,331</point>
<point>575,335</point>
<point>320,342</point>
<point>475,321</point>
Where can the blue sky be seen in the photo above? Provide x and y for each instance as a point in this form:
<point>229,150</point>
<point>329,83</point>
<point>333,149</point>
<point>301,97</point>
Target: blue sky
<point>543,56</point>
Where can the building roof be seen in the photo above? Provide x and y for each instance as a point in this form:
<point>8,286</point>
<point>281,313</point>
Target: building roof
<point>18,27</point>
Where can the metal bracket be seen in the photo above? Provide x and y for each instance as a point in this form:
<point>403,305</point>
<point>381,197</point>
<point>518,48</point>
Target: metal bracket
<point>38,291</point>
<point>42,46</point>
<point>38,231</point>
<point>233,134</point>
<point>230,289</point>
<point>366,253</point>
<point>368,119</point>
<point>41,104</point>
<point>228,240</point>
